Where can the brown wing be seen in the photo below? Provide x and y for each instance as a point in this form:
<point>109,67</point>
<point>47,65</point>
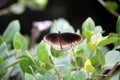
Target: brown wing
<point>64,41</point>
<point>69,40</point>
<point>53,40</point>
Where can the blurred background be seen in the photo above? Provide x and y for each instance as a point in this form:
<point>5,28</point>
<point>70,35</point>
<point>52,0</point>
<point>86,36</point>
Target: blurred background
<point>75,11</point>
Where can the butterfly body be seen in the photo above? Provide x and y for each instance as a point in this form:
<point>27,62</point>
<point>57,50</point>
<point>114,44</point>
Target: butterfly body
<point>63,41</point>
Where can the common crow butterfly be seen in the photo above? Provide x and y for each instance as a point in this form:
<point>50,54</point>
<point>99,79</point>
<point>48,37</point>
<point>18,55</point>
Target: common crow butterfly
<point>62,41</point>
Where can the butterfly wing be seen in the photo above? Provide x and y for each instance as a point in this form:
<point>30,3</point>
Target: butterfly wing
<point>53,40</point>
<point>62,41</point>
<point>69,40</point>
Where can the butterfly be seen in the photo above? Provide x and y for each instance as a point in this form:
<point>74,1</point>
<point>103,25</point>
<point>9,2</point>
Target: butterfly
<point>63,41</point>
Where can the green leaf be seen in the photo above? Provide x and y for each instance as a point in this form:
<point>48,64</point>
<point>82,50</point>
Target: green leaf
<point>50,75</point>
<point>39,76</point>
<point>17,8</point>
<point>88,24</point>
<point>1,60</point>
<point>81,75</point>
<point>117,43</point>
<point>87,34</point>
<point>3,51</point>
<point>91,46</point>
<point>101,57</point>
<point>20,42</point>
<point>63,64</point>
<point>67,77</point>
<point>118,25</point>
<point>1,40</point>
<point>56,53</point>
<point>94,60</point>
<point>111,5</point>
<point>61,25</point>
<point>88,66</point>
<point>112,57</point>
<point>96,37</point>
<point>29,77</point>
<point>98,58</point>
<point>44,67</point>
<point>42,53</point>
<point>98,29</point>
<point>27,65</point>
<point>107,40</point>
<point>2,70</point>
<point>12,28</point>
<point>36,4</point>
<point>85,50</point>
<point>11,64</point>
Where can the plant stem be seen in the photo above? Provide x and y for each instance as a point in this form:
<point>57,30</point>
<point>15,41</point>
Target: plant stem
<point>74,59</point>
<point>112,70</point>
<point>59,77</point>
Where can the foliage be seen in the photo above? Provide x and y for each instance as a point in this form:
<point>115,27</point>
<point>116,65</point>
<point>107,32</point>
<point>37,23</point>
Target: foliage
<point>87,60</point>
<point>112,6</point>
<point>20,6</point>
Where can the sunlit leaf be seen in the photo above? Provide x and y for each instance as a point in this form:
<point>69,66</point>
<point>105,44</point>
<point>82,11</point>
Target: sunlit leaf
<point>91,46</point>
<point>20,42</point>
<point>17,8</point>
<point>98,29</point>
<point>63,64</point>
<point>88,66</point>
<point>96,38</point>
<point>80,75</point>
<point>88,24</point>
<point>87,34</point>
<point>42,53</point>
<point>50,75</point>
<point>112,57</point>
<point>29,77</point>
<point>106,41</point>
<point>61,25</point>
<point>38,76</point>
<point>3,51</point>
<point>12,28</point>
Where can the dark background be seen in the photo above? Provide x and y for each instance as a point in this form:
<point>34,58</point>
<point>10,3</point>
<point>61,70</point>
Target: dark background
<point>75,11</point>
